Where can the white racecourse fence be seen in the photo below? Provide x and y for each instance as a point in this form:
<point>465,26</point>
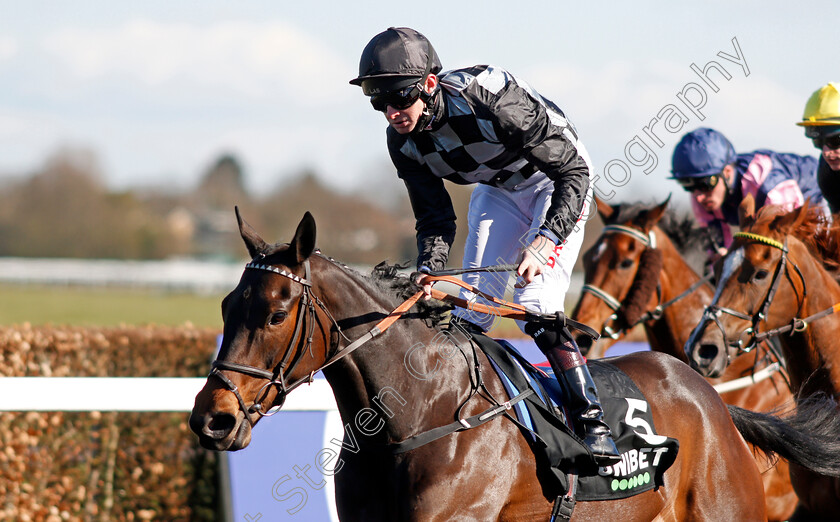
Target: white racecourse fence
<point>174,274</point>
<point>153,394</point>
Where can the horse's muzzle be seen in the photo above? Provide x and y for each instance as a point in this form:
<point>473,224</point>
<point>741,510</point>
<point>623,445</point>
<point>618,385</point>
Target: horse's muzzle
<point>221,431</point>
<point>708,359</point>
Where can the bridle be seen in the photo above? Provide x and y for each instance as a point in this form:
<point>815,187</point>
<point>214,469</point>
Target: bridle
<point>713,312</point>
<point>648,241</point>
<point>307,317</point>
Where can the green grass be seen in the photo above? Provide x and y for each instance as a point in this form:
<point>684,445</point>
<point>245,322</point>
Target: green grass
<point>84,306</point>
<point>93,306</point>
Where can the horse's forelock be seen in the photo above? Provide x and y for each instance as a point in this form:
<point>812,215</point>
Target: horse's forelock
<point>278,254</point>
<point>809,224</point>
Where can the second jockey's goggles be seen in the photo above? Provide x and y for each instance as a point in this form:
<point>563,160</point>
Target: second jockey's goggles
<point>703,184</point>
<point>832,142</point>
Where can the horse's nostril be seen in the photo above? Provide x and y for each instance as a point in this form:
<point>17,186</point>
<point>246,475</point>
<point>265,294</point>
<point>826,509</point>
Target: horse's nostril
<point>219,425</point>
<point>707,351</point>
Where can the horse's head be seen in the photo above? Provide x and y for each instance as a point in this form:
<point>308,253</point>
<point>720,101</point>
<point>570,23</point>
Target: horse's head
<point>274,339</point>
<point>621,271</point>
<point>760,286</point>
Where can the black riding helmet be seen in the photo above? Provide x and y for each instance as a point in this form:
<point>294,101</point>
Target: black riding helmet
<point>394,59</point>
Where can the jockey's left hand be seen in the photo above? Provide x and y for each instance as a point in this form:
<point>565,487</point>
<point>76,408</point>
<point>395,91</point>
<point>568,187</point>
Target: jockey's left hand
<point>534,258</point>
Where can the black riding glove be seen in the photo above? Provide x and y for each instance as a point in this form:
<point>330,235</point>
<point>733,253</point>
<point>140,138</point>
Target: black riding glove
<point>544,335</point>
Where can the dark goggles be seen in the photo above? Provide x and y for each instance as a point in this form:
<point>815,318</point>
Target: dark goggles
<point>401,99</point>
<point>704,184</point>
<point>832,142</point>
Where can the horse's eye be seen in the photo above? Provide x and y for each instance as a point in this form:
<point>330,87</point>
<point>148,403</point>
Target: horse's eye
<point>760,275</point>
<point>277,318</point>
<point>626,263</point>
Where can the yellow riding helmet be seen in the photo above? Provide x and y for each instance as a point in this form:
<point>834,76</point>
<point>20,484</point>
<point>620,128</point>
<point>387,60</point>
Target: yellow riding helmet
<point>823,107</point>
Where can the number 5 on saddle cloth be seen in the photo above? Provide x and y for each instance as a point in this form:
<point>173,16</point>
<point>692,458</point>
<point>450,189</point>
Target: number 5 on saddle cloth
<point>645,456</point>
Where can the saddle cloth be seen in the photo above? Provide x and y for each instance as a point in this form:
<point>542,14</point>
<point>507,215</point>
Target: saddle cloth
<point>645,455</point>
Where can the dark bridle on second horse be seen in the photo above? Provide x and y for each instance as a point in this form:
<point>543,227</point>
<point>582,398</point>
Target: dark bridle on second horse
<point>713,312</point>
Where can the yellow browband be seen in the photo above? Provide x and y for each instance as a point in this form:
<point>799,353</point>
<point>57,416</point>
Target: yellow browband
<point>761,239</point>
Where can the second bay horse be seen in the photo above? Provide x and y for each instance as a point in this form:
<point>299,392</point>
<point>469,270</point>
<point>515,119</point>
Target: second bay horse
<point>673,305</point>
<point>774,282</point>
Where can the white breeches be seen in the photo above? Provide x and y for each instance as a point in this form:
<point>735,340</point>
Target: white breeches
<point>501,224</point>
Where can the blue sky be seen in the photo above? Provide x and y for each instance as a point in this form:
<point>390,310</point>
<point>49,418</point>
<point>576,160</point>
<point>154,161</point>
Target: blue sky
<point>159,89</point>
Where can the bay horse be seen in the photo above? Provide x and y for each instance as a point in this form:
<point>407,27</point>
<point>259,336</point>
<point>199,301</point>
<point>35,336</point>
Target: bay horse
<point>635,273</point>
<point>774,282</point>
<point>295,312</point>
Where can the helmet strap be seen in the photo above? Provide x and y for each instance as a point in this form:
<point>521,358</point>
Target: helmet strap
<point>428,116</point>
<point>725,179</point>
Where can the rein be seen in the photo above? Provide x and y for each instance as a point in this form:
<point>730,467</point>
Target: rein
<point>504,309</point>
<point>307,300</point>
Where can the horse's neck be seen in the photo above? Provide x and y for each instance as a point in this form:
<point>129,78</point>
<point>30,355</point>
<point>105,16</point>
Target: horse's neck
<point>386,390</point>
<point>670,333</point>
<point>814,354</point>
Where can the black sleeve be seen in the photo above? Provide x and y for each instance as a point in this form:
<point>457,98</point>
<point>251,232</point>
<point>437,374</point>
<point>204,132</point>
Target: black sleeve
<point>433,211</point>
<point>524,124</point>
<point>829,183</point>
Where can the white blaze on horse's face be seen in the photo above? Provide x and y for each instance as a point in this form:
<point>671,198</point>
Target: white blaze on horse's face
<point>731,263</point>
<point>599,251</point>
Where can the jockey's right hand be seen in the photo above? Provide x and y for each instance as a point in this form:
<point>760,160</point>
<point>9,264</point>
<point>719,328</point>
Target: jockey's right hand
<point>423,279</point>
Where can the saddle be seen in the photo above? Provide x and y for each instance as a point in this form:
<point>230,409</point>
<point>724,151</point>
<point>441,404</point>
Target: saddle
<point>645,455</point>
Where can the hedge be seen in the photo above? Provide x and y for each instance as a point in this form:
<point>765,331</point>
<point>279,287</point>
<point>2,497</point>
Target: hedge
<point>105,465</point>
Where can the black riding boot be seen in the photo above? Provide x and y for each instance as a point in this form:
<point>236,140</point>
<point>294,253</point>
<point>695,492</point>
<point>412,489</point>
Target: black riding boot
<point>582,396</point>
<point>586,409</point>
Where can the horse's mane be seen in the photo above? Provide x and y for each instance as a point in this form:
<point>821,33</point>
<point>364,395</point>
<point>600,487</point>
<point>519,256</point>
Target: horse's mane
<point>820,235</point>
<point>690,240</point>
<point>393,282</point>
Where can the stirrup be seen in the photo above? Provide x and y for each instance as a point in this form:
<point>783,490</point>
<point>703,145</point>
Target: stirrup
<point>603,448</point>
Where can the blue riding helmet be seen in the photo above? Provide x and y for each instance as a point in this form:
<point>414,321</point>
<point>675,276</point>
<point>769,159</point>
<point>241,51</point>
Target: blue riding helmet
<point>701,153</point>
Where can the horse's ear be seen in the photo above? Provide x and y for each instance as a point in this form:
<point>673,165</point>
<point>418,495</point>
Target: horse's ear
<point>604,209</point>
<point>253,241</point>
<point>303,244</point>
<point>790,221</point>
<point>746,211</point>
<point>653,215</point>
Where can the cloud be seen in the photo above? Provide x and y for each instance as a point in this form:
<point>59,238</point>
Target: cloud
<point>8,48</point>
<point>613,102</point>
<point>253,59</point>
